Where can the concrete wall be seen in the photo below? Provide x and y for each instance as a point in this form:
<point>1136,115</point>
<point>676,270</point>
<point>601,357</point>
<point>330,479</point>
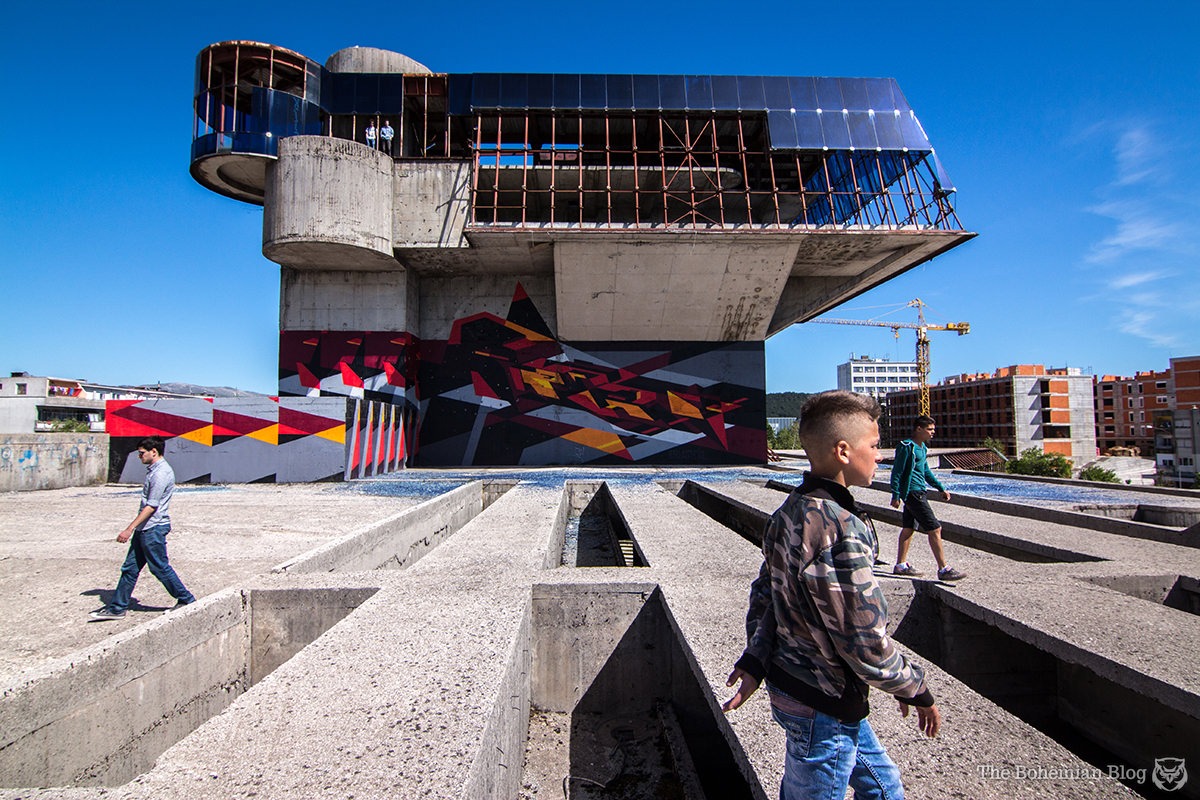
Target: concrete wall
<point>104,714</point>
<point>447,300</point>
<point>343,300</point>
<point>432,204</point>
<point>284,621</point>
<point>397,541</point>
<point>18,414</point>
<point>52,460</point>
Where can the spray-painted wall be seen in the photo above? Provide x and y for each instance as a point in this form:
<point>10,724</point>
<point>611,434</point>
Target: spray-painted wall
<point>31,461</point>
<point>234,440</point>
<point>508,391</point>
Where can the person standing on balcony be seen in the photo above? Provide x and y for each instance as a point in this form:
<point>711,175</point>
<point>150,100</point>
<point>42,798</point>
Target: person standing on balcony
<point>147,536</point>
<point>386,133</point>
<point>371,134</point>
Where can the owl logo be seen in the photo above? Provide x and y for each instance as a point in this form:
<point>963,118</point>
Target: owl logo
<point>1169,773</point>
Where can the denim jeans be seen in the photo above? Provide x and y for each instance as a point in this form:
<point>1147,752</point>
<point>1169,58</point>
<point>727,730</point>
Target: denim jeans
<point>148,547</point>
<point>825,755</point>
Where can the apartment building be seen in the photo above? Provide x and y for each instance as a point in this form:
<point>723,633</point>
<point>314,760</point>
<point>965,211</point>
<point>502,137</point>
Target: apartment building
<point>1020,406</point>
<point>877,376</point>
<point>33,404</point>
<point>1125,410</point>
<point>1176,426</point>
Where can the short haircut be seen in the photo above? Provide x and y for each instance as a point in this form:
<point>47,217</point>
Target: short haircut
<point>152,443</point>
<point>828,418</point>
<point>923,421</point>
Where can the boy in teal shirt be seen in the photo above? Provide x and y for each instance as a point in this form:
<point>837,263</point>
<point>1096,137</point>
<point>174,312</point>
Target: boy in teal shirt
<point>911,476</point>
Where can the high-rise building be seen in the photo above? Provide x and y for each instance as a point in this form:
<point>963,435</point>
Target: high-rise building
<point>561,269</point>
<point>1022,406</point>
<point>877,376</point>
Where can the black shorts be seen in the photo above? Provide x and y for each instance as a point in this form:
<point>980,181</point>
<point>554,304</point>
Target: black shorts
<point>918,514</point>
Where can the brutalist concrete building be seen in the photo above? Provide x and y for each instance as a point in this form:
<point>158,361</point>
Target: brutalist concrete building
<point>560,269</point>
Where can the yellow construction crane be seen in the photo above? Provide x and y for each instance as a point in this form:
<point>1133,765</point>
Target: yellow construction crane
<point>921,327</point>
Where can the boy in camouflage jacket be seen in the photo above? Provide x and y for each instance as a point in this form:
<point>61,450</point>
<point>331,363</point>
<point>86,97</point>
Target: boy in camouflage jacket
<point>817,624</point>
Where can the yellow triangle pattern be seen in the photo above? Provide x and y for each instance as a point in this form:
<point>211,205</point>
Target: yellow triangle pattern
<point>334,434</point>
<point>269,434</point>
<point>201,435</point>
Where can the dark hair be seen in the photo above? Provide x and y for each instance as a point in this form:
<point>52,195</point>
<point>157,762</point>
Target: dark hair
<point>824,416</point>
<point>152,443</point>
<point>923,421</point>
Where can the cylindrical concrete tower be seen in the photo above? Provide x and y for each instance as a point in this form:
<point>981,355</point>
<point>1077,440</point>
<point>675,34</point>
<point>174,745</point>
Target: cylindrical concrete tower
<point>372,59</point>
<point>329,205</point>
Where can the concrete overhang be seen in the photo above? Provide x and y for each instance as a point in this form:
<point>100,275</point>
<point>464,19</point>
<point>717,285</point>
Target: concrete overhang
<point>242,176</point>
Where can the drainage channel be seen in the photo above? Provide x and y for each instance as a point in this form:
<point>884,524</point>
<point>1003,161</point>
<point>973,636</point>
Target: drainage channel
<point>1121,731</point>
<point>594,533</point>
<point>619,707</point>
<point>1179,592</point>
<point>103,718</point>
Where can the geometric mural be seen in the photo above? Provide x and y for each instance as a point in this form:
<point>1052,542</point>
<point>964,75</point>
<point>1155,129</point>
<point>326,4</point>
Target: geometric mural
<point>233,439</point>
<point>505,391</point>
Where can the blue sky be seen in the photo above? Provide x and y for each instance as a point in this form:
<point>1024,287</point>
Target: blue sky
<point>1070,130</point>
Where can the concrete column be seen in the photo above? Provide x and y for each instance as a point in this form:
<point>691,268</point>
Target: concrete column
<point>342,300</point>
<point>328,205</point>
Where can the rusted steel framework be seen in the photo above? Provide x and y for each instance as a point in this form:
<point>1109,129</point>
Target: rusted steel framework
<point>688,170</point>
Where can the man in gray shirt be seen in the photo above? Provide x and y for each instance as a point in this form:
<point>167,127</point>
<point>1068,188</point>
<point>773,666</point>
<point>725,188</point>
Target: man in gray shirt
<point>147,535</point>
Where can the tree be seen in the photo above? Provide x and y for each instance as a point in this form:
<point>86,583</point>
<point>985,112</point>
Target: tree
<point>785,404</point>
<point>70,426</point>
<point>1098,473</point>
<point>993,444</point>
<point>1034,462</point>
<point>787,439</point>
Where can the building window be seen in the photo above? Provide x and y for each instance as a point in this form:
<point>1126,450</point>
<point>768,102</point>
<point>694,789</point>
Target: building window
<point>20,388</point>
<point>1162,399</point>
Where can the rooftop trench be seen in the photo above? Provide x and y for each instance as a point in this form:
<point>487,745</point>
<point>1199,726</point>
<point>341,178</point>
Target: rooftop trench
<point>101,717</point>
<point>1121,722</point>
<point>603,691</point>
<point>1117,720</point>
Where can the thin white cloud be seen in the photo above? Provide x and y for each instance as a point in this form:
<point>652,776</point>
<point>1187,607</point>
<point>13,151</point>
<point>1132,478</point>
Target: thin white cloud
<point>1153,238</point>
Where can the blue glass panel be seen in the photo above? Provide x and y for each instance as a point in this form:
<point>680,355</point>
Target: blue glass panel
<point>910,129</point>
<point>645,91</point>
<point>803,93</point>
<point>343,93</point>
<point>699,92</point>
<point>887,130</point>
<point>776,93</point>
<point>541,91</point>
<point>862,130</point>
<point>942,178</point>
<point>808,130</point>
<point>750,93</point>
<point>854,94</point>
<point>566,91</point>
<point>725,93</point>
<point>391,94</point>
<point>898,97</point>
<point>485,91</point>
<point>620,91</point>
<point>672,92</point>
<point>782,127</point>
<point>514,90</point>
<point>879,94</point>
<point>366,94</point>
<point>593,91</point>
<point>834,130</point>
<point>829,94</point>
<point>313,81</point>
<point>458,94</point>
<point>866,172</point>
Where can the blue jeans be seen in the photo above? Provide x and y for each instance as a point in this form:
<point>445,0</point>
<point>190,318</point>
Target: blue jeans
<point>148,546</point>
<point>825,755</point>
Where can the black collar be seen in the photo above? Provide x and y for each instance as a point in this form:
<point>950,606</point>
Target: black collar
<point>814,484</point>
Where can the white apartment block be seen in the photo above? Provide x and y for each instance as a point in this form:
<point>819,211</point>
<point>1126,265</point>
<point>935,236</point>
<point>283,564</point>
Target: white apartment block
<point>876,376</point>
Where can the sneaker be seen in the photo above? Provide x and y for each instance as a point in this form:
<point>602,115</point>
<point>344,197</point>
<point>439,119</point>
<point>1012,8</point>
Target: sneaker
<point>907,570</point>
<point>950,574</point>
<point>180,604</point>
<point>106,613</point>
